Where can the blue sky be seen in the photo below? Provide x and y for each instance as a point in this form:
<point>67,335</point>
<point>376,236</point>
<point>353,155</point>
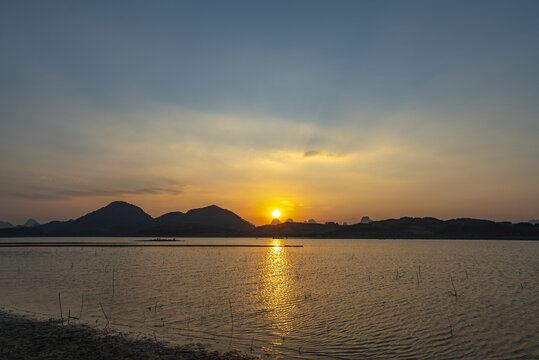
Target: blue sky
<point>402,108</point>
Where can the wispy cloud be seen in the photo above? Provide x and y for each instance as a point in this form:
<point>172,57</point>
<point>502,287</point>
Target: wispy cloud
<point>54,193</point>
<point>322,154</point>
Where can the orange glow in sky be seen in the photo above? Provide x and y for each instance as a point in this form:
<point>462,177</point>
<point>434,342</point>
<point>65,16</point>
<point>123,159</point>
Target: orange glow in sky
<point>359,124</point>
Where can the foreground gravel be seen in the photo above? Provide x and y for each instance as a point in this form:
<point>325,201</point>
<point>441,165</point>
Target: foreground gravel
<point>26,338</point>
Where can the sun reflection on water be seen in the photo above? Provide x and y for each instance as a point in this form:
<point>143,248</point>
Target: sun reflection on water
<point>277,243</point>
<point>278,288</point>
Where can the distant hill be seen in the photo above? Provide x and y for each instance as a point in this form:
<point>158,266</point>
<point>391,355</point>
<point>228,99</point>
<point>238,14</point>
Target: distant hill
<point>432,228</point>
<point>5,225</point>
<point>216,216</point>
<point>406,228</point>
<point>123,219</point>
<point>365,220</point>
<point>204,221</point>
<point>31,223</point>
<point>169,219</point>
<point>116,219</point>
<point>28,223</point>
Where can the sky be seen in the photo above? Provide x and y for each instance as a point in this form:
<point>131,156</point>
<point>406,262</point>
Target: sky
<point>330,110</point>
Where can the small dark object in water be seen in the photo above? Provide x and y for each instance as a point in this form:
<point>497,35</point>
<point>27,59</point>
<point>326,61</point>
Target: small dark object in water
<point>159,239</point>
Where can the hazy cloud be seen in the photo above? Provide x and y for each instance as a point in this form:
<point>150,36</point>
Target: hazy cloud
<point>51,193</point>
<point>140,110</point>
<point>312,153</point>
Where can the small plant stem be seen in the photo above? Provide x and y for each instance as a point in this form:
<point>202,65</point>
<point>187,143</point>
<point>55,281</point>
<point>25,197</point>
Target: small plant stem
<point>231,315</point>
<point>81,306</point>
<point>454,290</point>
<point>60,303</point>
<point>106,317</point>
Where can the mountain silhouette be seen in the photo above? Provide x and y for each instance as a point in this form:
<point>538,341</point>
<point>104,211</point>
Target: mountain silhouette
<point>170,219</point>
<point>31,223</point>
<point>215,216</point>
<point>407,228</point>
<point>207,221</point>
<point>116,219</point>
<point>123,219</point>
<point>5,225</point>
<point>212,215</point>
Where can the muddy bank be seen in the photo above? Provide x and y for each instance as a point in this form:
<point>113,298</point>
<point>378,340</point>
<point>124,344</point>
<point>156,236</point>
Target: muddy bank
<point>26,338</point>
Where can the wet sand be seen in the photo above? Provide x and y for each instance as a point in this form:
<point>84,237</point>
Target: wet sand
<point>25,338</point>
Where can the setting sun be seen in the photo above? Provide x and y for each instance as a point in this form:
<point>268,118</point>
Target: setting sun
<point>276,213</point>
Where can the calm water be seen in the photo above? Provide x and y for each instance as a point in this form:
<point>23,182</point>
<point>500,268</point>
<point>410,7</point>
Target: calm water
<point>344,299</point>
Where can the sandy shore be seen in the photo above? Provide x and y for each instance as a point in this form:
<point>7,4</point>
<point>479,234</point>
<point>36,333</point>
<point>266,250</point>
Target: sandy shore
<point>26,338</point>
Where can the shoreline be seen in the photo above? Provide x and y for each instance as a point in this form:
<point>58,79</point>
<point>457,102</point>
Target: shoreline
<point>22,337</point>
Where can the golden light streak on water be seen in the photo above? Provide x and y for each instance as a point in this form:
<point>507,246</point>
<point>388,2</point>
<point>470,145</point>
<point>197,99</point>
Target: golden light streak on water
<point>278,287</point>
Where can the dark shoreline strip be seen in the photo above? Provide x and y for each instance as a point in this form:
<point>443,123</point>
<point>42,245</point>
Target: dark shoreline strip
<point>82,244</point>
<point>22,337</point>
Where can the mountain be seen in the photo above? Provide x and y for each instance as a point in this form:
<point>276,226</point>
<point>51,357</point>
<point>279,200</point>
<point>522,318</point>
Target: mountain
<point>5,225</point>
<point>169,224</point>
<point>212,216</point>
<point>116,219</point>
<point>365,220</point>
<point>207,221</point>
<point>534,221</point>
<point>31,223</point>
<point>215,216</point>
<point>122,219</point>
<point>169,219</point>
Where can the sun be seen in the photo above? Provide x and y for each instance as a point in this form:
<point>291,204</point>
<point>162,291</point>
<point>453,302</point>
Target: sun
<point>276,213</point>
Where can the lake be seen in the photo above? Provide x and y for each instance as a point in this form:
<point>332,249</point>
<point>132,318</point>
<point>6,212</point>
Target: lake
<point>342,299</point>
